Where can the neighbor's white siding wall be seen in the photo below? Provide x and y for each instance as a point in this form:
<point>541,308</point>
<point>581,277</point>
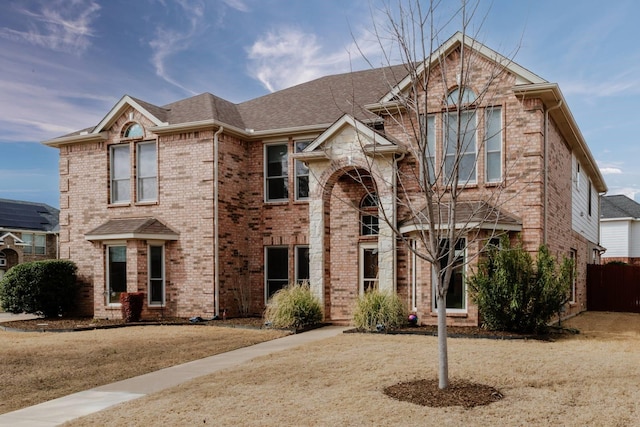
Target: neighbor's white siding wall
<point>634,240</point>
<point>584,220</point>
<point>615,238</point>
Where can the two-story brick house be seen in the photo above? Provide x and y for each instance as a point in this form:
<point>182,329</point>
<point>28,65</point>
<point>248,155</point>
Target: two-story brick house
<point>28,232</point>
<point>206,205</point>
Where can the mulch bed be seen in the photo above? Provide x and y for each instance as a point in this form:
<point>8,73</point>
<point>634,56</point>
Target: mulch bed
<point>459,393</point>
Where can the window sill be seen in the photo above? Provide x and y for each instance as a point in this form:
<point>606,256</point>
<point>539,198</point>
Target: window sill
<point>282,202</point>
<point>119,205</point>
<point>301,201</point>
<point>462,315</point>
<point>147,203</point>
<point>156,306</point>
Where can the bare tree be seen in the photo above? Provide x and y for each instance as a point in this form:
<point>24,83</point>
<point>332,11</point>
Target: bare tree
<point>439,198</point>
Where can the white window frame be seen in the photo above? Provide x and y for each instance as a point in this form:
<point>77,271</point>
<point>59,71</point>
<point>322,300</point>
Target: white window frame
<point>296,252</point>
<point>141,178</point>
<point>414,275</point>
<point>489,112</point>
<point>472,179</point>
<point>113,179</point>
<point>285,177</point>
<point>150,302</point>
<point>429,125</point>
<point>107,271</point>
<point>28,242</point>
<point>299,146</point>
<point>465,287</point>
<point>573,254</point>
<point>266,268</point>
<point>361,279</point>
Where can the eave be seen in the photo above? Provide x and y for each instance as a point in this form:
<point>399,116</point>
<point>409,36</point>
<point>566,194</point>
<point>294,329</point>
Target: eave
<point>130,236</point>
<point>554,102</point>
<point>74,139</point>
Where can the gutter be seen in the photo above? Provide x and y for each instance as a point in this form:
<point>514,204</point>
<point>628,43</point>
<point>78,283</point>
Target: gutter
<point>216,238</point>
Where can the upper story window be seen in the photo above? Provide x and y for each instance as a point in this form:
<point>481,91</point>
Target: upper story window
<point>34,244</point>
<point>147,172</point>
<point>133,131</point>
<point>369,223</point>
<point>461,96</point>
<point>302,173</point>
<point>429,126</point>
<point>276,172</point>
<point>493,144</point>
<point>460,148</point>
<point>120,173</point>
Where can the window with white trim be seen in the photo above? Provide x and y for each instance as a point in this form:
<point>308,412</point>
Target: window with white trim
<point>116,273</point>
<point>430,148</point>
<point>457,292</point>
<point>302,264</point>
<point>368,267</point>
<point>493,144</point>
<point>277,269</point>
<point>134,130</point>
<point>276,173</point>
<point>147,172</point>
<point>120,173</point>
<point>302,173</point>
<point>34,244</point>
<point>156,275</point>
<point>369,222</point>
<point>573,255</point>
<point>460,150</point>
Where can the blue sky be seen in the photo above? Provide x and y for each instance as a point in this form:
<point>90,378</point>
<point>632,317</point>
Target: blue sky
<point>65,63</point>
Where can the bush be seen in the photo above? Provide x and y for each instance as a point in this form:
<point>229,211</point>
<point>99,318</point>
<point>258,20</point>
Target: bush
<point>46,288</point>
<point>131,306</point>
<point>512,295</point>
<point>293,306</point>
<point>377,311</point>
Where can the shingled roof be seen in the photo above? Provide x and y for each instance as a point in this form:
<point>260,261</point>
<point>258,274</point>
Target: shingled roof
<point>21,215</point>
<point>619,206</point>
<point>132,228</point>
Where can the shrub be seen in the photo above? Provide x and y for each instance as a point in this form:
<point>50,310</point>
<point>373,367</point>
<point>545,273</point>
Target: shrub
<point>512,295</point>
<point>131,306</point>
<point>377,311</point>
<point>46,288</point>
<point>293,306</point>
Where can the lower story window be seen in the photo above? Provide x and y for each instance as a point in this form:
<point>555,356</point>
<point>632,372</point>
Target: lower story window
<point>302,264</point>
<point>456,293</point>
<point>156,275</point>
<point>368,267</point>
<point>277,269</point>
<point>116,273</point>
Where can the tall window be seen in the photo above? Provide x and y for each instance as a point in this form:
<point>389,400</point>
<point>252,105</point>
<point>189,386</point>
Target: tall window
<point>120,174</point>
<point>460,146</point>
<point>156,275</point>
<point>147,172</point>
<point>277,174</point>
<point>116,273</point>
<point>302,264</point>
<point>430,149</point>
<point>493,144</point>
<point>368,267</point>
<point>277,266</point>
<point>369,223</point>
<point>302,173</point>
<point>456,294</point>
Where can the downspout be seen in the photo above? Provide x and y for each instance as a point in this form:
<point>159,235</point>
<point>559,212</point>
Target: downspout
<point>546,171</point>
<point>216,239</point>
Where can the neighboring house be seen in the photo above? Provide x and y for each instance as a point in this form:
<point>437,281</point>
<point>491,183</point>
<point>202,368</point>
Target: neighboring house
<point>205,205</point>
<point>28,232</point>
<point>620,229</point>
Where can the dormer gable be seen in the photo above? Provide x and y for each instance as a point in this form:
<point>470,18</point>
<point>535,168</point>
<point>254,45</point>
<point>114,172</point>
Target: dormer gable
<point>149,111</point>
<point>16,240</point>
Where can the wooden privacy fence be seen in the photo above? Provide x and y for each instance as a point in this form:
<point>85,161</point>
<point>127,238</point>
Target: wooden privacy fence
<point>613,287</point>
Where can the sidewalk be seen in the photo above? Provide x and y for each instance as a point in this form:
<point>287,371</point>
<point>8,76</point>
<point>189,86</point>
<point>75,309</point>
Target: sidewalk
<point>58,411</point>
<point>8,317</point>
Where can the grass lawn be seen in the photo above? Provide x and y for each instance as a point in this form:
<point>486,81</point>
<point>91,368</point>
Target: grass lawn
<point>587,379</point>
<point>36,367</point>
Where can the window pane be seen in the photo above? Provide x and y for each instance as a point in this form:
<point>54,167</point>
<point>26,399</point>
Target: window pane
<point>156,275</point>
<point>303,187</point>
<point>430,152</point>
<point>27,239</point>
<point>147,161</point>
<point>494,144</point>
<point>369,225</point>
<point>369,269</point>
<point>120,174</point>
<point>121,191</point>
<point>134,131</point>
<point>117,270</point>
<point>277,269</point>
<point>462,148</point>
<point>277,172</point>
<point>302,263</point>
<point>40,244</point>
<point>456,293</point>
<point>147,189</point>
<point>277,189</point>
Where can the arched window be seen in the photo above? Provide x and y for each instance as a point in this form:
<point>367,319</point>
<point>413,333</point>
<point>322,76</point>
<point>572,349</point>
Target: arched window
<point>133,131</point>
<point>468,96</point>
<point>369,224</point>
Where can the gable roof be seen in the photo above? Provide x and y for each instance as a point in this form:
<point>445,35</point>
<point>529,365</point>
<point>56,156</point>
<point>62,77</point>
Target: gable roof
<point>132,228</point>
<point>618,206</point>
<point>32,216</point>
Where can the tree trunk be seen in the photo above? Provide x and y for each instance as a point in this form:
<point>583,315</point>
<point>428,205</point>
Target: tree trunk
<point>443,358</point>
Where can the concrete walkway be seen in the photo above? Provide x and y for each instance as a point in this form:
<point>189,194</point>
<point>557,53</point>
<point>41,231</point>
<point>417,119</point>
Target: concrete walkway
<point>8,317</point>
<point>58,411</point>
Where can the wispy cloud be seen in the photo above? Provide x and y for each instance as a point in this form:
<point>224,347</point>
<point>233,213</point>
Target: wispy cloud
<point>238,5</point>
<point>610,171</point>
<point>169,41</point>
<point>64,26</point>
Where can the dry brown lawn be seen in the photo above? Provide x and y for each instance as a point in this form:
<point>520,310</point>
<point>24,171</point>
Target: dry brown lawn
<point>36,367</point>
<point>588,379</point>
